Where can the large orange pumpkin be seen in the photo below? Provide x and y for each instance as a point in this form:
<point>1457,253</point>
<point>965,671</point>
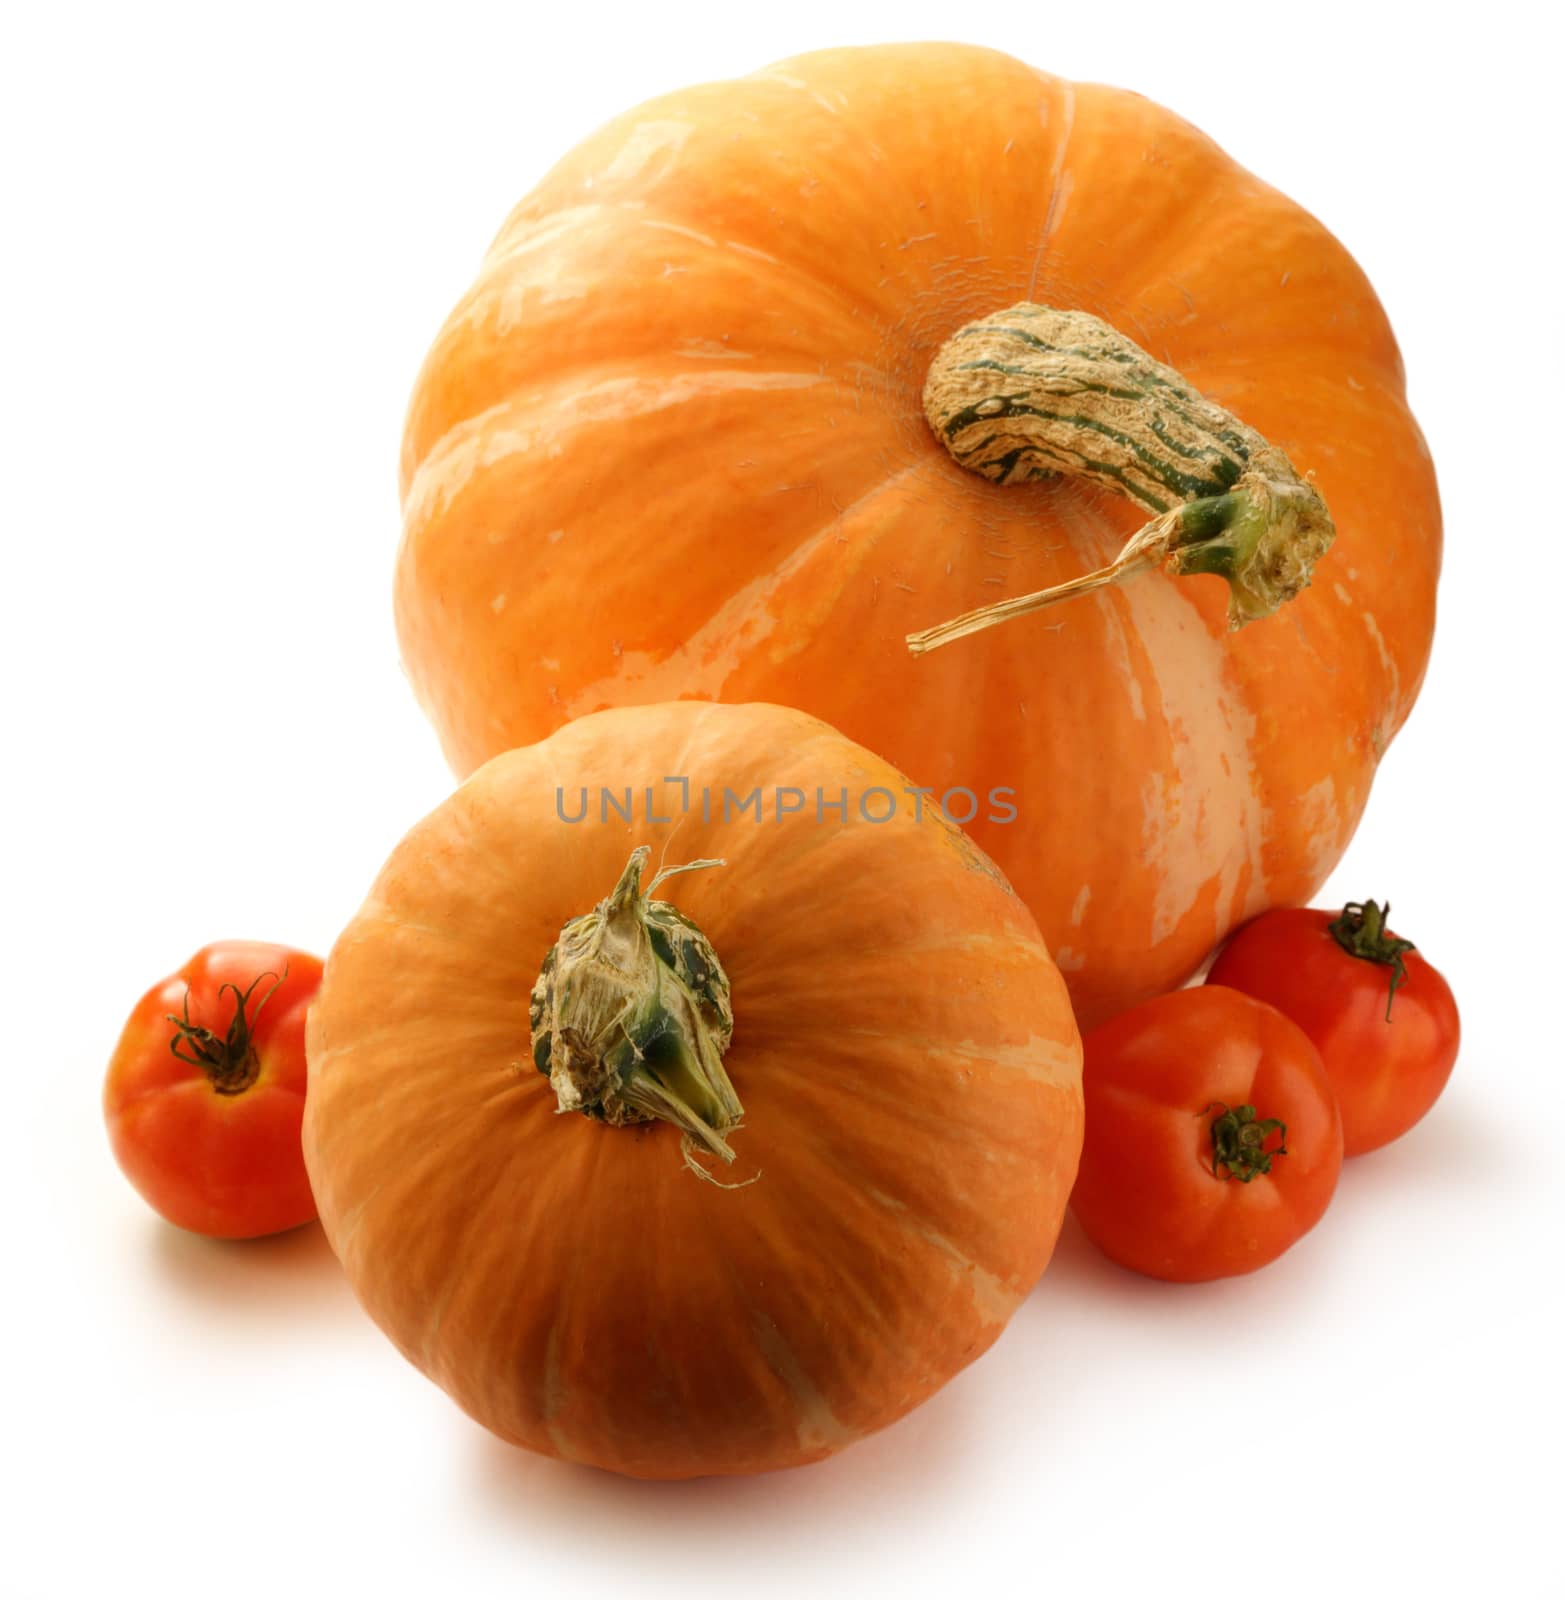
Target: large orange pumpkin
<point>672,444</point>
<point>901,1100</point>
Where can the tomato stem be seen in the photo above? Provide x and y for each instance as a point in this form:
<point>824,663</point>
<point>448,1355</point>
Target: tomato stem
<point>1239,1138</point>
<point>230,1062</point>
<point>1361,931</point>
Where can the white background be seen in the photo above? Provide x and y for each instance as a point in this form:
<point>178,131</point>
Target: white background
<point>229,240</point>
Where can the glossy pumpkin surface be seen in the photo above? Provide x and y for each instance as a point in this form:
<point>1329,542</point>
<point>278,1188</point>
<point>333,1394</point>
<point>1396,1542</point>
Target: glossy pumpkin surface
<point>902,1045</point>
<point>671,445</point>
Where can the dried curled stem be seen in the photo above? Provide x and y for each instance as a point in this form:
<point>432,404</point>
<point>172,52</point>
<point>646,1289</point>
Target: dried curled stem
<point>1037,393</point>
<point>631,1016</point>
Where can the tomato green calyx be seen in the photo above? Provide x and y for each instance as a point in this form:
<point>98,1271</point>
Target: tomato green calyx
<point>230,1062</point>
<point>1238,1141</point>
<point>1361,931</point>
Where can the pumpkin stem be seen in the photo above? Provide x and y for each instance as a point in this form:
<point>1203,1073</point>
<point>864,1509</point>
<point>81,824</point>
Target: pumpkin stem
<point>1239,1141</point>
<point>1037,393</point>
<point>230,1062</point>
<point>1361,930</point>
<point>631,1015</point>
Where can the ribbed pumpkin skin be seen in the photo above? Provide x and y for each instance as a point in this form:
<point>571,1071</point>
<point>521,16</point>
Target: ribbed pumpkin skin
<point>671,445</point>
<point>903,1047</point>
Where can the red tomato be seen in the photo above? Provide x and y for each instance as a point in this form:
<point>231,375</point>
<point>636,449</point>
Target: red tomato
<point>1383,1019</point>
<point>205,1091</point>
<point>1213,1140</point>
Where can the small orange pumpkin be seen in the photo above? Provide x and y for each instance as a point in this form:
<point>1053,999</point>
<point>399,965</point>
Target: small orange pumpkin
<point>676,442</point>
<point>851,1027</point>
